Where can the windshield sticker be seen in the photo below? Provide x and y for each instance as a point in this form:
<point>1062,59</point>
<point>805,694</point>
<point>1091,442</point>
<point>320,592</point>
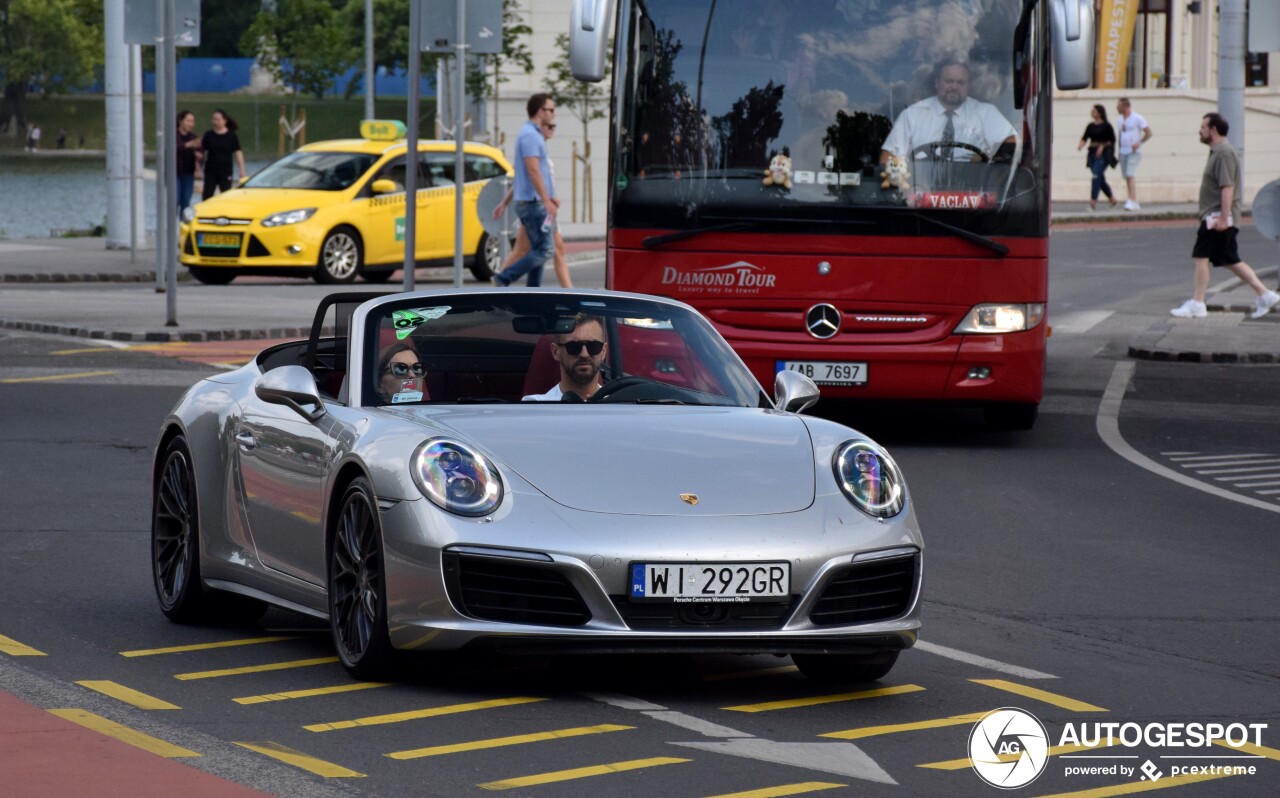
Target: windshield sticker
<point>406,321</point>
<point>406,396</point>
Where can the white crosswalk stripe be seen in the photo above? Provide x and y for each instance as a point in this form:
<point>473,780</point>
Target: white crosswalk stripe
<point>1245,471</point>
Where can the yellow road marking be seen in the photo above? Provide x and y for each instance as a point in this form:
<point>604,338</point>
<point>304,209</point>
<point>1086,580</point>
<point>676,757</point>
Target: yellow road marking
<point>315,691</point>
<point>417,714</point>
<point>811,701</point>
<point>1039,695</point>
<point>723,677</point>
<point>1139,786</point>
<point>499,742</point>
<point>1250,748</point>
<point>139,348</point>
<point>300,760</point>
<point>272,666</point>
<point>51,377</point>
<point>128,695</point>
<point>580,773</point>
<point>148,652</point>
<point>123,733</point>
<point>875,731</point>
<point>15,649</point>
<point>783,789</point>
<point>961,764</point>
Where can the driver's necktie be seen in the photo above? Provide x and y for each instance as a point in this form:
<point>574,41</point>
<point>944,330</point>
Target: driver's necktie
<point>949,136</point>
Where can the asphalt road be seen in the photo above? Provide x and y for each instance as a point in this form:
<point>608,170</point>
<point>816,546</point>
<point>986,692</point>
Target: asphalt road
<point>1061,577</point>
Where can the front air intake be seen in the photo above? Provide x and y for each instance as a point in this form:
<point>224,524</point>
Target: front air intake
<point>512,591</point>
<point>878,590</point>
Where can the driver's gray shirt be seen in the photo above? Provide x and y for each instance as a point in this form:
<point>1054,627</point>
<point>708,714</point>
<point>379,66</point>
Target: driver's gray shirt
<point>977,123</point>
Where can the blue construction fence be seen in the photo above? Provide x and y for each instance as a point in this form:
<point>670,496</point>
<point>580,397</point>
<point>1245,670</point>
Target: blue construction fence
<point>226,75</point>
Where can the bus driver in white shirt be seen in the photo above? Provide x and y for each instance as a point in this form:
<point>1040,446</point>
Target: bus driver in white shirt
<point>959,126</point>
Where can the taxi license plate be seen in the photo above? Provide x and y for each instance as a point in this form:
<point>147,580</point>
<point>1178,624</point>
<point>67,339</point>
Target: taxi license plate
<point>825,372</point>
<point>716,582</point>
<point>219,240</point>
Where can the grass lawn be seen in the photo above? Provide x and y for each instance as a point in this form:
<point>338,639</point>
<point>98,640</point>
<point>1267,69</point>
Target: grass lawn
<point>259,119</point>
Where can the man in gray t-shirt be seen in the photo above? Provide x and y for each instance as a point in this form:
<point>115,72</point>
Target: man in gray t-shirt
<point>1219,210</point>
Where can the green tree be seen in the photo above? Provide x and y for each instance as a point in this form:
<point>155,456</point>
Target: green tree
<point>303,43</point>
<point>221,25</point>
<point>53,45</point>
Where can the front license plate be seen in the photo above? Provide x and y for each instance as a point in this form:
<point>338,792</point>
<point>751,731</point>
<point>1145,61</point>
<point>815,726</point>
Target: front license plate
<point>826,372</point>
<point>710,581</point>
<point>219,240</point>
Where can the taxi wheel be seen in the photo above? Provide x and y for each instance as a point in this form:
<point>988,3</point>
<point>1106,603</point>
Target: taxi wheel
<point>212,276</point>
<point>341,256</point>
<point>488,258</point>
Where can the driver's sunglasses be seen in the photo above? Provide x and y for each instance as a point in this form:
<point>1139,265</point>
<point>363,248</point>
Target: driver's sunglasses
<point>403,369</point>
<point>575,347</point>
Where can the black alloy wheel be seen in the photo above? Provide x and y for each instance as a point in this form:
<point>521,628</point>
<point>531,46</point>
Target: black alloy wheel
<point>847,668</point>
<point>175,536</point>
<point>357,586</point>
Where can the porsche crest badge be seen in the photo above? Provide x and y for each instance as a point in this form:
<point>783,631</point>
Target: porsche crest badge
<point>689,498</point>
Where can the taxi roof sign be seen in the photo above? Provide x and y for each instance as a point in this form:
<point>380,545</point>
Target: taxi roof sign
<point>382,129</point>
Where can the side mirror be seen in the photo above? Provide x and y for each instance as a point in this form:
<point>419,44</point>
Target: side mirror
<point>384,186</point>
<point>794,392</point>
<point>590,23</point>
<point>1071,23</point>
<point>291,386</point>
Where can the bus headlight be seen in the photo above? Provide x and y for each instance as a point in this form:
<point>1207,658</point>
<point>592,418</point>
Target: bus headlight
<point>994,319</point>
<point>869,478</point>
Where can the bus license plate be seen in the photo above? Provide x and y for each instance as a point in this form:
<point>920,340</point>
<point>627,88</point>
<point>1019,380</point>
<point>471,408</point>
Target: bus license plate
<point>828,373</point>
<point>710,581</point>
<point>219,240</point>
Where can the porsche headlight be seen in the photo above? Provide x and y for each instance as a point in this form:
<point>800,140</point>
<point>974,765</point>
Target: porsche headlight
<point>288,217</point>
<point>869,478</point>
<point>996,319</point>
<point>455,478</point>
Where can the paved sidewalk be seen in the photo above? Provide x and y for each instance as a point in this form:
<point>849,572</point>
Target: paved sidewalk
<point>36,274</point>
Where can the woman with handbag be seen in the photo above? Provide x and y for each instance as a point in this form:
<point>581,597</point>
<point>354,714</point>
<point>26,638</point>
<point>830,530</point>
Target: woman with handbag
<point>1100,138</point>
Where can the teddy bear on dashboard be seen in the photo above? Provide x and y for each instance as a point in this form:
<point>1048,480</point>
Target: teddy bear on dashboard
<point>779,171</point>
<point>895,173</point>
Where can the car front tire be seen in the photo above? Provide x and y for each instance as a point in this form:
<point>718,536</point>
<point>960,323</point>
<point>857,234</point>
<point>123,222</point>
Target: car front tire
<point>488,258</point>
<point>848,668</point>
<point>341,256</point>
<point>357,586</point>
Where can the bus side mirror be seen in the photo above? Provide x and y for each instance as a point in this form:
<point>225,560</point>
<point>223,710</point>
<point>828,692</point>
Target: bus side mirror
<point>1071,23</point>
<point>590,24</point>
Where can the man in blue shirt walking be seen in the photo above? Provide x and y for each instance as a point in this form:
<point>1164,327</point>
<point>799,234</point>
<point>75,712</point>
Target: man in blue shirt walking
<point>534,205</point>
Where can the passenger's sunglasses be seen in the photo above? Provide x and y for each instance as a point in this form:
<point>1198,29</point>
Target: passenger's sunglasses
<point>403,369</point>
<point>575,347</point>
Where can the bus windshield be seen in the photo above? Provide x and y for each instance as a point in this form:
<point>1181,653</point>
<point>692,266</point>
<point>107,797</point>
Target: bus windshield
<point>845,116</point>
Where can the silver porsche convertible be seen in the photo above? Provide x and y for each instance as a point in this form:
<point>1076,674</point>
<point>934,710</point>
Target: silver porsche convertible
<point>551,471</point>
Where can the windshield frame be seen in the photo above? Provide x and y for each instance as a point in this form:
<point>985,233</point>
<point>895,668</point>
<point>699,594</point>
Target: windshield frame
<point>363,163</point>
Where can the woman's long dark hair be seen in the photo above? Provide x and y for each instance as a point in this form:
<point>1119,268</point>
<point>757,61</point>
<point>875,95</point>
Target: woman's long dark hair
<point>183,115</point>
<point>1102,111</point>
<point>231,123</point>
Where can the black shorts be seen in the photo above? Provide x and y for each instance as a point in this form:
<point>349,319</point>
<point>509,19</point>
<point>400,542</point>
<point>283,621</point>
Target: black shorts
<point>1219,246</point>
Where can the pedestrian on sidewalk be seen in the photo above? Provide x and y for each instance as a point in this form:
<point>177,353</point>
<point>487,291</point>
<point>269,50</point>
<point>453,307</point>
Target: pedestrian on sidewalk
<point>188,159</point>
<point>534,205</point>
<point>33,138</point>
<point>1134,132</point>
<point>221,149</point>
<point>1100,138</point>
<point>522,240</point>
<point>1219,210</point>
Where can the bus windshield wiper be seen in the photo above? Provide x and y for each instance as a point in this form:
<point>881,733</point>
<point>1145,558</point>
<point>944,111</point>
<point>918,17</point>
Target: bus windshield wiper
<point>653,242</point>
<point>967,235</point>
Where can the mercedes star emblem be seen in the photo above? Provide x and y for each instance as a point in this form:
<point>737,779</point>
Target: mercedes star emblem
<point>822,321</point>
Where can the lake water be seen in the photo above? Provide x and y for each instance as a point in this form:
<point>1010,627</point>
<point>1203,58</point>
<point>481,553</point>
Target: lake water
<point>43,195</point>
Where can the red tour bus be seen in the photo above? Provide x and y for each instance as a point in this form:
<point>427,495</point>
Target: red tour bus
<point>785,166</point>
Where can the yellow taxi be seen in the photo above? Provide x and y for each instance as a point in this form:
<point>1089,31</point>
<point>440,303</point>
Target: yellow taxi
<point>335,210</point>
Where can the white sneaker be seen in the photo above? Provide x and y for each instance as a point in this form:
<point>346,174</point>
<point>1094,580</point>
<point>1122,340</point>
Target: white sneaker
<point>1190,309</point>
<point>1264,304</point>
<point>1130,205</point>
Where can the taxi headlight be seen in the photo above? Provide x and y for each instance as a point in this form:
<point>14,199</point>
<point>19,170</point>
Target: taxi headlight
<point>188,214</point>
<point>869,478</point>
<point>455,478</point>
<point>995,318</point>
<point>288,217</point>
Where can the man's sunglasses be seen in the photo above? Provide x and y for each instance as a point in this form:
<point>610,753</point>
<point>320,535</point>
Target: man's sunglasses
<point>575,347</point>
<point>403,369</point>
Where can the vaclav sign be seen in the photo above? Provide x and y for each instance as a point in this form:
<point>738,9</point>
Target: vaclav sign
<point>1115,33</point>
